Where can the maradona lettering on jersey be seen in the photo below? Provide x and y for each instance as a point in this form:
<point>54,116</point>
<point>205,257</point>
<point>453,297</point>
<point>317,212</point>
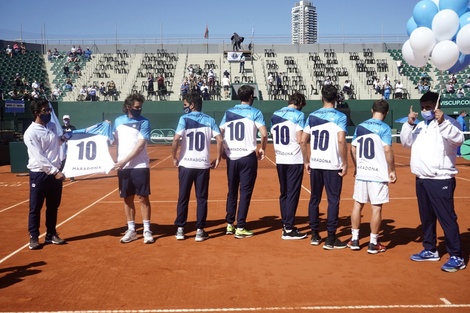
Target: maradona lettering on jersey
<point>320,160</point>
<point>368,168</point>
<point>86,168</point>
<point>278,152</point>
<point>195,159</point>
<point>238,149</point>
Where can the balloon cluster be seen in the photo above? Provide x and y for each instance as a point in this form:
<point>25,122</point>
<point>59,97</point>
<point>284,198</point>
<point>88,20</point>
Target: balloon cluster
<point>439,30</point>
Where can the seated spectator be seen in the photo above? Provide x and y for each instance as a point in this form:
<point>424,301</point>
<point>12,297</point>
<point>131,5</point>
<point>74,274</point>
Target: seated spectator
<point>226,73</point>
<point>83,93</point>
<point>73,50</point>
<point>77,70</point>
<point>25,95</point>
<point>450,87</point>
<point>14,95</point>
<point>9,51</point>
<point>87,54</point>
<point>66,70</point>
<point>460,92</point>
<point>226,86</point>
<point>18,82</point>
<point>16,48</point>
<point>398,90</point>
<point>34,94</point>
<point>79,51</point>
<point>23,48</point>
<point>92,93</point>
<point>55,93</point>
<point>68,85</point>
<point>467,82</point>
<point>35,85</point>
<point>56,54</point>
<point>453,79</point>
<point>327,81</point>
<point>49,55</point>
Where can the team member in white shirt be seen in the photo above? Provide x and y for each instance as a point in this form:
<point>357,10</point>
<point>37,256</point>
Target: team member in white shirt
<point>286,128</point>
<point>195,130</point>
<point>239,127</point>
<point>325,129</point>
<point>132,131</point>
<point>45,179</point>
<point>372,155</point>
<point>433,144</point>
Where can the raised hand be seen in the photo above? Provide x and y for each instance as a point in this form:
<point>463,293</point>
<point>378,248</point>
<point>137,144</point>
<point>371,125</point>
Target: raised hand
<point>412,116</point>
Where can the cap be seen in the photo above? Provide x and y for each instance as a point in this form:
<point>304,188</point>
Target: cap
<point>66,117</point>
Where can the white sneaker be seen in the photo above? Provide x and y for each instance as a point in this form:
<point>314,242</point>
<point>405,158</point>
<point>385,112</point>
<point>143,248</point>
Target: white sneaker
<point>148,237</point>
<point>180,233</point>
<point>129,236</point>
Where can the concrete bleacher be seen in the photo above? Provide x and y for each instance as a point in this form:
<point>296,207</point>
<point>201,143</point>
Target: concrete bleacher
<point>304,70</point>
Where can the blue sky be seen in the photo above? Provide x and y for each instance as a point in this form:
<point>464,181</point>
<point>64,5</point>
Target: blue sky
<point>184,18</point>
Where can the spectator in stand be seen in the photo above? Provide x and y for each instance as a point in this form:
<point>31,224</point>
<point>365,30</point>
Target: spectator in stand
<point>467,82</point>
<point>68,85</point>
<point>205,92</point>
<point>34,94</point>
<point>235,42</point>
<point>150,87</point>
<point>450,88</point>
<point>226,86</point>
<point>161,85</point>
<point>398,90</point>
<point>79,51</point>
<point>55,93</point>
<point>83,93</point>
<point>400,67</point>
<point>242,64</point>
<point>327,81</point>
<point>87,54</point>
<point>49,55</point>
<point>376,85</point>
<point>226,73</point>
<point>103,92</point>
<point>35,85</point>
<point>17,81</point>
<point>460,92</point>
<point>23,48</point>
<point>9,51</point>
<point>73,50</point>
<point>387,90</point>
<point>453,79</point>
<point>92,92</point>
<point>184,88</point>
<point>56,55</point>
<point>25,95</point>
<point>211,78</point>
<point>66,70</point>
<point>16,48</point>
<point>347,87</point>
<point>77,70</point>
<point>112,91</point>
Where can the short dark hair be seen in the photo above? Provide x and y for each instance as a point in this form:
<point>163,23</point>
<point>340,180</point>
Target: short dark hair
<point>380,106</point>
<point>245,92</point>
<point>194,98</point>
<point>429,97</point>
<point>37,104</point>
<point>298,100</point>
<point>129,102</point>
<point>329,93</point>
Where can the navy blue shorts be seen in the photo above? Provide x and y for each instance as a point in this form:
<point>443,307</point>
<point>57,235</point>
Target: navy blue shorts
<point>134,181</point>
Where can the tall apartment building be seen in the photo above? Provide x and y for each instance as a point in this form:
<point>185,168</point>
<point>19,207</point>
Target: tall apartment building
<point>304,23</point>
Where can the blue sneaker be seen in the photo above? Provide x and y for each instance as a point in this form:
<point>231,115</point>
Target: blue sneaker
<point>426,255</point>
<point>454,264</point>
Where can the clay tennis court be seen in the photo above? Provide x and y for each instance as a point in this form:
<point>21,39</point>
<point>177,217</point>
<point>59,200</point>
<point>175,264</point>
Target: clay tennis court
<point>94,272</point>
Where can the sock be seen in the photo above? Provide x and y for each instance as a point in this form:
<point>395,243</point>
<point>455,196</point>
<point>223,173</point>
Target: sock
<point>355,234</point>
<point>131,225</point>
<point>373,238</point>
<point>146,225</point>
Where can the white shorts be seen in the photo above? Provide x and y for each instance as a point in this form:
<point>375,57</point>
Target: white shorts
<point>373,192</point>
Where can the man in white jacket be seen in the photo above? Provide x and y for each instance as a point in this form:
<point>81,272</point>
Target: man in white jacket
<point>434,143</point>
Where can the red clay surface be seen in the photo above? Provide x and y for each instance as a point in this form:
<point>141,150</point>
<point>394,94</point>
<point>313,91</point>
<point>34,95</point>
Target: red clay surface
<point>94,272</point>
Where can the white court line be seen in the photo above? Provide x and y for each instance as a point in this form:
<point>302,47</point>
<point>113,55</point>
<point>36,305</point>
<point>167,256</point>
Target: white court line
<point>276,308</point>
<point>445,300</point>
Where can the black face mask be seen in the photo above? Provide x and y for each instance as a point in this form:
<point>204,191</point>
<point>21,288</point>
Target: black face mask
<point>186,110</point>
<point>45,118</point>
<point>135,113</point>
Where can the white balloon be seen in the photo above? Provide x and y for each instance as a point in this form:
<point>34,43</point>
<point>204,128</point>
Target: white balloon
<point>445,54</point>
<point>463,39</point>
<point>445,24</point>
<point>422,40</point>
<point>412,58</point>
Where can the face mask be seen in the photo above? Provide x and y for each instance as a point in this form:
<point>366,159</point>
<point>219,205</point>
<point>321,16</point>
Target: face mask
<point>66,122</point>
<point>186,110</point>
<point>45,118</point>
<point>427,115</point>
<point>135,113</point>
